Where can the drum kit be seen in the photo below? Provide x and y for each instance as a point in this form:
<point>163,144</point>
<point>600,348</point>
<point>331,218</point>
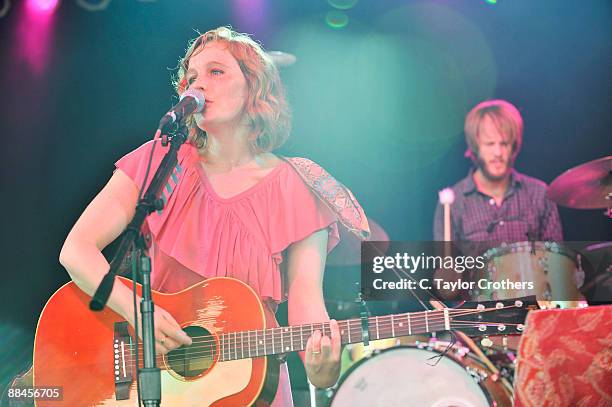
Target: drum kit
<point>433,373</point>
<point>439,371</point>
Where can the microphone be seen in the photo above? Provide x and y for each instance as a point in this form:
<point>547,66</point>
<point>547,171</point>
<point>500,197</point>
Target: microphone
<point>192,101</point>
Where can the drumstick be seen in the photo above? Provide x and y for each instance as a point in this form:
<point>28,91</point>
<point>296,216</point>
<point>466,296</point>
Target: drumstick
<point>447,197</point>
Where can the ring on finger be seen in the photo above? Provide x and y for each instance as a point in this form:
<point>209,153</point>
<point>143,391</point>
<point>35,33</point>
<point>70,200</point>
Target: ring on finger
<point>315,352</point>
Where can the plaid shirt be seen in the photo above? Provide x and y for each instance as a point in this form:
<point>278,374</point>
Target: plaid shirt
<point>525,208</point>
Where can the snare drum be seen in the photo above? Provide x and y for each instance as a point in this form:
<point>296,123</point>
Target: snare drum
<point>420,376</point>
<point>553,269</point>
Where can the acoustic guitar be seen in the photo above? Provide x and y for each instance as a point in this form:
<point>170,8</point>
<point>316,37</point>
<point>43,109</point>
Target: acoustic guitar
<point>232,360</point>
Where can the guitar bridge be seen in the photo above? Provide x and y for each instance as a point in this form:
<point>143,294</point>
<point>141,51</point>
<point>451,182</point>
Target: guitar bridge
<point>122,351</point>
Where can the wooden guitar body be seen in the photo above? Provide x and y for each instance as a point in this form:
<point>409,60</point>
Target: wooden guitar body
<point>89,353</point>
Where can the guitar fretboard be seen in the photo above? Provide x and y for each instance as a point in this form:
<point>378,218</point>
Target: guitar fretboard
<point>248,344</point>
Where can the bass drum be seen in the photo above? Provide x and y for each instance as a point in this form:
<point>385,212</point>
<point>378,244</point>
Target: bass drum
<point>415,376</point>
<point>355,352</point>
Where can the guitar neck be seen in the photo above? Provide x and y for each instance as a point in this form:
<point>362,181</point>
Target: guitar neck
<point>247,344</point>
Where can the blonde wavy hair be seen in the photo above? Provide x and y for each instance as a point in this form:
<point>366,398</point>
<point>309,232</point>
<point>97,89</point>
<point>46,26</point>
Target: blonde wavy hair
<point>266,105</point>
<point>506,118</point>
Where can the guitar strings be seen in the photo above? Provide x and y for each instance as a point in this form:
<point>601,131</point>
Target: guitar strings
<point>211,355</point>
<point>206,351</point>
<point>208,341</point>
<point>383,323</point>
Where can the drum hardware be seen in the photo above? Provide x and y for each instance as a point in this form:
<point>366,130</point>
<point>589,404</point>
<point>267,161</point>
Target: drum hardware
<point>547,293</point>
<point>600,254</point>
<point>477,375</point>
<point>504,360</point>
<point>486,342</point>
<point>579,274</point>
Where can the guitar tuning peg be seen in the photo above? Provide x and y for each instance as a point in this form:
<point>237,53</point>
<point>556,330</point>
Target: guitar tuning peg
<point>486,342</point>
<point>518,303</point>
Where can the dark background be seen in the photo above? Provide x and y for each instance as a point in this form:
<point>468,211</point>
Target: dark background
<point>379,103</point>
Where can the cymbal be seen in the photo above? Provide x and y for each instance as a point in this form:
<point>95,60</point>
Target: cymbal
<point>348,252</point>
<point>587,186</point>
<point>282,59</point>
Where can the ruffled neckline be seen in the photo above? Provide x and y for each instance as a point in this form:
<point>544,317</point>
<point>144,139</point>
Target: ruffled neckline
<point>241,195</point>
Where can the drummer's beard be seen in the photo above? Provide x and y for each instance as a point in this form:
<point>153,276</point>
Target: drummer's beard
<point>490,175</point>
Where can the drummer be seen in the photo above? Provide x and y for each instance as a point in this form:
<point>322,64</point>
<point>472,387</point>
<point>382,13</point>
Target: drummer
<point>494,202</point>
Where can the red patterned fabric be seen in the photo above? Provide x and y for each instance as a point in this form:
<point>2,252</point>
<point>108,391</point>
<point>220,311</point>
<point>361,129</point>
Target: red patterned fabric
<point>565,359</point>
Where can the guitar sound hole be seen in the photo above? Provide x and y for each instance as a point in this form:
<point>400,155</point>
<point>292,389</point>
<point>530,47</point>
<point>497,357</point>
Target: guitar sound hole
<point>194,360</point>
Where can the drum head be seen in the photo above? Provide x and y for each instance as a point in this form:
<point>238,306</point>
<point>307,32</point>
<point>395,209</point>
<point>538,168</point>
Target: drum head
<point>404,376</point>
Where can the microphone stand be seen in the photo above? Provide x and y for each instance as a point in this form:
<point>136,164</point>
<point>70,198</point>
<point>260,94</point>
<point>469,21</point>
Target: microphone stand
<point>149,377</point>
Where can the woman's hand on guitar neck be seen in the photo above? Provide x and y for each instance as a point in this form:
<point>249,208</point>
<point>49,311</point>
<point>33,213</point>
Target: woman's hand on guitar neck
<point>168,333</point>
<point>322,359</point>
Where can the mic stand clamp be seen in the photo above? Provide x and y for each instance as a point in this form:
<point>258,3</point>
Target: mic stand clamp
<point>532,241</point>
<point>149,377</point>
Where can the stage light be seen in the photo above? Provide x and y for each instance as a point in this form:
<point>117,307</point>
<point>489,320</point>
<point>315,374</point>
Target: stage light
<point>491,1</point>
<point>251,15</point>
<point>336,19</point>
<point>342,4</point>
<point>93,5</point>
<point>42,6</point>
<point>35,34</point>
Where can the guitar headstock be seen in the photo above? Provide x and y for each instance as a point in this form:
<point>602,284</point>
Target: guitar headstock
<point>503,317</point>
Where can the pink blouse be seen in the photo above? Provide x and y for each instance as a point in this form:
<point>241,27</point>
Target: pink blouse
<point>199,234</point>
